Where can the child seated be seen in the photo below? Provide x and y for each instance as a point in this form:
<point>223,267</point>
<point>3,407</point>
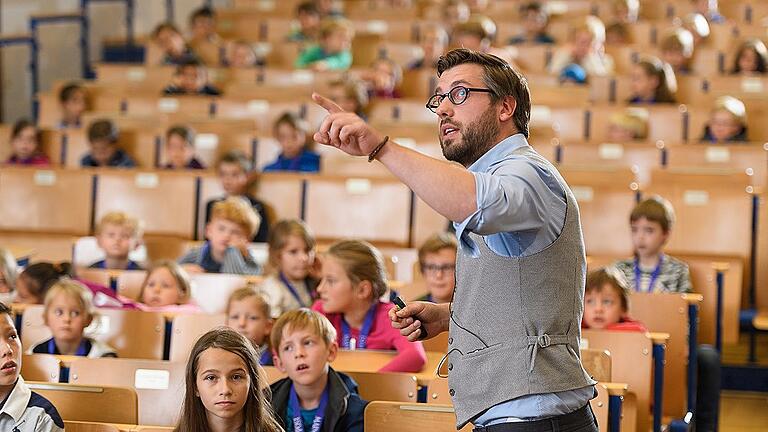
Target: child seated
<point>73,101</point>
<point>103,136</point>
<point>233,222</point>
<point>751,58</point>
<point>68,311</point>
<point>677,50</point>
<point>202,24</point>
<point>292,133</point>
<point>118,234</point>
<point>727,122</point>
<point>586,49</point>
<point>437,261</point>
<point>313,396</point>
<point>709,9</point>
<point>180,148</point>
<point>351,95</point>
<point>241,55</point>
<point>476,34</point>
<point>354,280</point>
<point>651,270</point>
<point>606,302</point>
<point>433,42</point>
<point>235,172</point>
<point>171,42</point>
<point>383,78</point>
<point>249,314</point>
<point>166,289</point>
<point>535,20</point>
<point>25,145</point>
<point>308,17</point>
<point>191,78</point>
<point>23,410</point>
<point>627,126</point>
<point>653,81</point>
<point>224,387</point>
<point>698,26</point>
<point>289,284</point>
<point>33,283</point>
<point>334,50</point>
<point>9,271</point>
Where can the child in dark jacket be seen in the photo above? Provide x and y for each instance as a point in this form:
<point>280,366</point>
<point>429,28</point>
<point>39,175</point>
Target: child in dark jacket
<point>304,343</point>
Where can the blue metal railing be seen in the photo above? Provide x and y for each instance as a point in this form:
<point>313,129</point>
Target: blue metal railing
<point>659,352</point>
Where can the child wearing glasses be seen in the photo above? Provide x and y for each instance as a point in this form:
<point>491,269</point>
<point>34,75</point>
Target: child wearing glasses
<point>437,262</point>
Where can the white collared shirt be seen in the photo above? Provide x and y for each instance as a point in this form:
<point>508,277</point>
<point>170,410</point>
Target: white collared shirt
<point>25,411</point>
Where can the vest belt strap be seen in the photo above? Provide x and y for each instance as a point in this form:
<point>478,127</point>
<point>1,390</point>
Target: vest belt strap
<point>543,341</point>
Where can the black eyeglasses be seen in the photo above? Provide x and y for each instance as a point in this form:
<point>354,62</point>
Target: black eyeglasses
<point>457,95</point>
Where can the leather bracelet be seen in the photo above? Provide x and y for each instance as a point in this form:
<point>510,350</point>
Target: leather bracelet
<point>378,148</point>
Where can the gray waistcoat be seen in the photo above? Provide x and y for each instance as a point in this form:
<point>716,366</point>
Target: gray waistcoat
<point>515,321</point>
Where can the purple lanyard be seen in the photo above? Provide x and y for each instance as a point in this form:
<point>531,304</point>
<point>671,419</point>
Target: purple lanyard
<point>293,291</point>
<point>362,342</point>
<point>81,352</point>
<point>654,275</point>
<point>298,423</point>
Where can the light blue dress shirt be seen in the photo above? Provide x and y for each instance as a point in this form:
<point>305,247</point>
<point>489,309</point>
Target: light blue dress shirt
<point>520,211</point>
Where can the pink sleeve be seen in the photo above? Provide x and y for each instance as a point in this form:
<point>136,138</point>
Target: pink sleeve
<point>410,355</point>
<point>317,306</point>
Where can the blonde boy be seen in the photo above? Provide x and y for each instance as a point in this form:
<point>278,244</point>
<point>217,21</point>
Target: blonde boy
<point>233,222</point>
<point>118,234</point>
<point>304,344</point>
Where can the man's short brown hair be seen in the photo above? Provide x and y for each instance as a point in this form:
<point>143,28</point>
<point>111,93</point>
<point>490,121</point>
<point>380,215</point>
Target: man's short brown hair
<point>499,77</point>
<point>655,209</point>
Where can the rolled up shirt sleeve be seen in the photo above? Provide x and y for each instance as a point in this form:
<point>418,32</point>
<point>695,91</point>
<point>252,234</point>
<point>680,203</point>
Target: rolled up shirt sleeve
<point>514,196</point>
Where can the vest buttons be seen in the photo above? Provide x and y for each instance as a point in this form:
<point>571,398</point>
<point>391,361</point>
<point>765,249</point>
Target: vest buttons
<point>450,340</point>
<point>452,392</point>
<point>450,366</point>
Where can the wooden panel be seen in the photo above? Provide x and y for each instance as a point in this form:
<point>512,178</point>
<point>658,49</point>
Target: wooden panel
<point>157,406</point>
<point>40,367</point>
<point>187,329</point>
<point>762,251</point>
<point>389,416</point>
<point>164,201</point>
<point>364,216</point>
<point>668,313</point>
<point>751,159</point>
<point>713,210</point>
<point>395,387</point>
<point>640,157</point>
<point>53,201</point>
<point>632,363</point>
<point>605,197</point>
<point>90,403</point>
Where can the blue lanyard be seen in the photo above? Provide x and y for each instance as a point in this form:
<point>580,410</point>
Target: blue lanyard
<point>81,352</point>
<point>266,357</point>
<point>293,291</point>
<point>654,275</point>
<point>298,423</point>
<point>364,331</point>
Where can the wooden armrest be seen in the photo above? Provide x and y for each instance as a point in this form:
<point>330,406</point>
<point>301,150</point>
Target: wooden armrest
<point>760,321</point>
<point>659,338</point>
<point>615,389</point>
<point>720,266</point>
<point>56,15</point>
<point>693,298</point>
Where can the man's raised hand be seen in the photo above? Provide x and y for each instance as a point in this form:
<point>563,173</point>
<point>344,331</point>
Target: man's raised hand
<point>345,131</point>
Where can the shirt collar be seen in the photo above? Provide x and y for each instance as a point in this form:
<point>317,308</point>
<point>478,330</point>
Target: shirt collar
<point>498,152</point>
<point>17,401</point>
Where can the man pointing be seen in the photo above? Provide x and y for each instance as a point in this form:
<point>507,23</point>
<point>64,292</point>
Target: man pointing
<point>514,323</point>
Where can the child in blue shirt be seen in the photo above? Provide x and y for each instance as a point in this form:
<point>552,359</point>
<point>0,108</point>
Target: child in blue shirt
<point>292,134</point>
<point>118,234</point>
<point>102,139</point>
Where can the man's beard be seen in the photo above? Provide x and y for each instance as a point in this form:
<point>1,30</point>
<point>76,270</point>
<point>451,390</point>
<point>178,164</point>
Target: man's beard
<point>476,139</point>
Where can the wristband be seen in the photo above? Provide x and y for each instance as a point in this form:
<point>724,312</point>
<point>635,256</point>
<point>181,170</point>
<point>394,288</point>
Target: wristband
<point>378,148</point>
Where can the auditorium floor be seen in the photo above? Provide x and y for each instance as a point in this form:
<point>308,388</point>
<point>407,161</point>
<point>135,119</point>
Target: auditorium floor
<point>743,412</point>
